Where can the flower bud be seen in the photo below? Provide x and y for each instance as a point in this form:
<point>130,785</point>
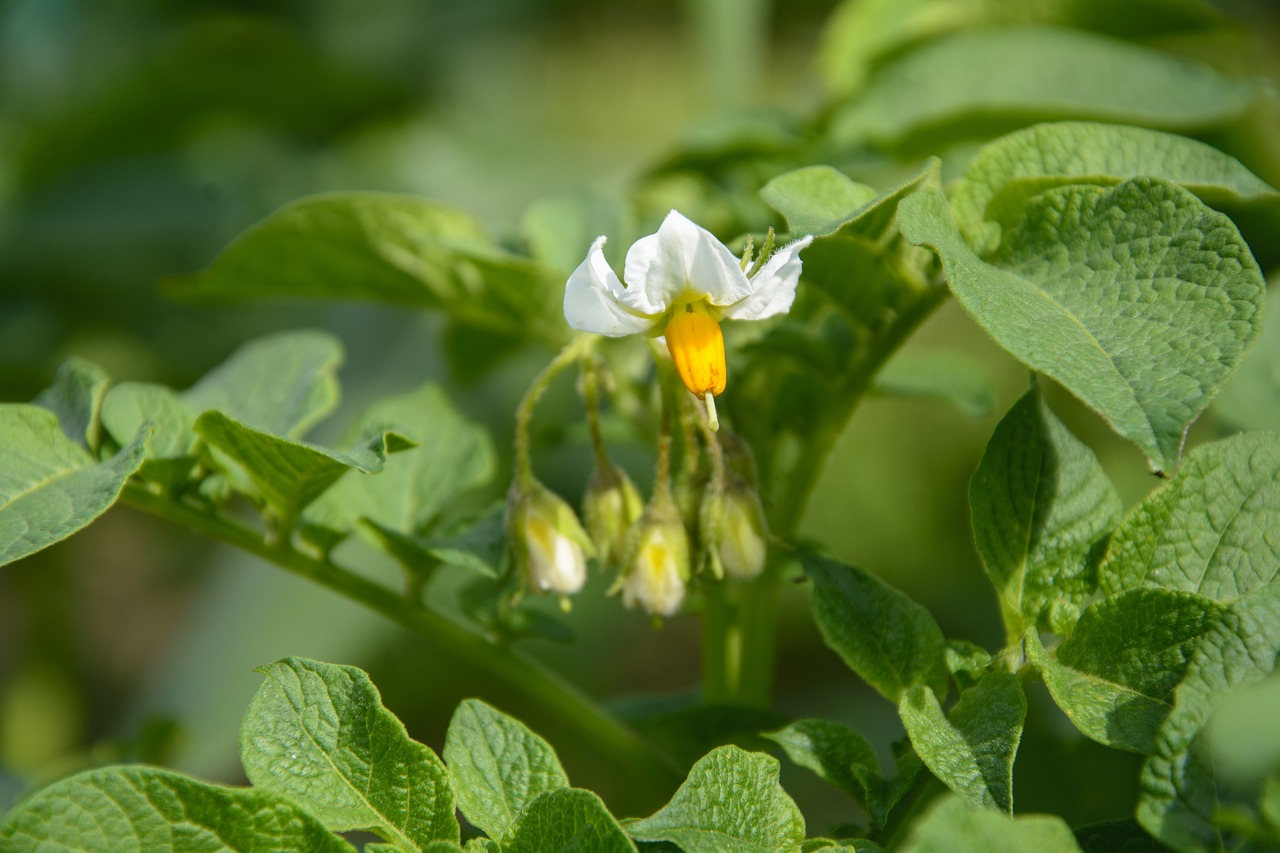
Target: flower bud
<point>741,527</point>
<point>659,565</point>
<point>610,506</point>
<point>550,543</point>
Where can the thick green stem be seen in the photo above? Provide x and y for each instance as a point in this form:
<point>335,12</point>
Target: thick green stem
<point>540,685</point>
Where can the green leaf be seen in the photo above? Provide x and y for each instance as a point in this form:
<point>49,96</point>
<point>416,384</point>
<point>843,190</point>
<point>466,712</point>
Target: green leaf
<point>318,734</point>
<point>951,377</point>
<point>984,82</point>
<point>281,384</point>
<point>1210,530</point>
<point>1040,503</point>
<point>1181,795</point>
<point>291,474</point>
<point>842,757</point>
<point>815,199</point>
<point>951,826</point>
<point>1006,173</point>
<point>1251,400</point>
<point>147,810</point>
<point>454,455</point>
<point>837,753</point>
<point>1138,299</point>
<point>861,33</point>
<point>76,398</point>
<point>174,446</point>
<point>498,766</point>
<point>389,248</point>
<point>731,802</point>
<point>972,748</point>
<point>570,820</point>
<point>884,636</point>
<point>1115,675</point>
<point>50,487</point>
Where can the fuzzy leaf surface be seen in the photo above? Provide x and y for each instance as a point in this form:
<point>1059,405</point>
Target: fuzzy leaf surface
<point>1210,530</point>
<point>731,802</point>
<point>889,640</point>
<point>815,199</point>
<point>498,766</point>
<point>1138,299</point>
<point>1116,674</point>
<point>1040,503</point>
<point>1006,173</point>
<point>147,810</point>
<point>1182,795</point>
<point>318,734</point>
<point>971,749</point>
<point>569,820</point>
<point>50,487</point>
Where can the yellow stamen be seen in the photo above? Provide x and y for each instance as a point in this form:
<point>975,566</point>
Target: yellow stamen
<point>697,348</point>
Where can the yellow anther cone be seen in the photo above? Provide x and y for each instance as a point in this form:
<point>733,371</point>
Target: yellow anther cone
<point>697,348</point>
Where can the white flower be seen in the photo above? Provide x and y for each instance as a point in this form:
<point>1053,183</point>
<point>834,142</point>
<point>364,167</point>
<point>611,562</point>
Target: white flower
<point>550,541</point>
<point>681,282</point>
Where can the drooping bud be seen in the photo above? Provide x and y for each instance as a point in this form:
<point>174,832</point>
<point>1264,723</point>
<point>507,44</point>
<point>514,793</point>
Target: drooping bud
<point>741,528</point>
<point>659,564</point>
<point>610,507</point>
<point>550,544</point>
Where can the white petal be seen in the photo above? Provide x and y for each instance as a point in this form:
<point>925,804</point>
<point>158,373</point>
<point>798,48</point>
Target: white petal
<point>592,299</point>
<point>681,258</point>
<point>773,289</point>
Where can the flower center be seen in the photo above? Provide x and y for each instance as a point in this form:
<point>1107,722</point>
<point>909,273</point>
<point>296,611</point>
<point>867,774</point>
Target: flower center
<point>697,348</point>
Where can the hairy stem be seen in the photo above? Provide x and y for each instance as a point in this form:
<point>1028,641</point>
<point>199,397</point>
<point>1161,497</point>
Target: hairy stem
<point>539,684</point>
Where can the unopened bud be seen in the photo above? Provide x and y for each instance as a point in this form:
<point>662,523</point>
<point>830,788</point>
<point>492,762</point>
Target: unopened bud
<point>741,529</point>
<point>659,566</point>
<point>610,506</point>
<point>549,540</point>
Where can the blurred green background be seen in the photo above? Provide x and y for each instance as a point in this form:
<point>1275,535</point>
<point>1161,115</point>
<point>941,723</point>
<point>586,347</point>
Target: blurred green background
<point>138,138</point>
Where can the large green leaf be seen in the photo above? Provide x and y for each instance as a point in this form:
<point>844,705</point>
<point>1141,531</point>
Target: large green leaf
<point>147,810</point>
<point>50,487</point>
<point>174,446</point>
<point>567,820</point>
<point>498,766</point>
<point>453,456</point>
<point>1006,173</point>
<point>389,248</point>
<point>978,83</point>
<point>1182,796</point>
<point>318,734</point>
<point>952,826</point>
<point>291,474</point>
<point>282,383</point>
<point>1210,530</point>
<point>884,636</point>
<point>76,398</point>
<point>1139,299</point>
<point>1040,503</point>
<point>972,748</point>
<point>731,802</point>
<point>1115,675</point>
<point>861,33</point>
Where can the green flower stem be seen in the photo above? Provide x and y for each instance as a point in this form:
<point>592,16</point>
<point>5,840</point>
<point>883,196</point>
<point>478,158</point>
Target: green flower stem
<point>542,686</point>
<point>576,349</point>
<point>757,615</point>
